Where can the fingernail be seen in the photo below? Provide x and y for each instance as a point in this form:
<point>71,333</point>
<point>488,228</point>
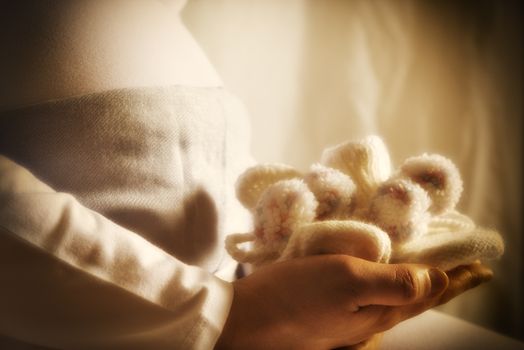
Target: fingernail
<point>439,281</point>
<point>487,274</point>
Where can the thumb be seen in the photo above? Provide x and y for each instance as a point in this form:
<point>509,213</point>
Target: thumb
<point>396,284</point>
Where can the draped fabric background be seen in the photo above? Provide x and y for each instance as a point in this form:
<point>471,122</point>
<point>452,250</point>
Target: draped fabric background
<point>427,76</point>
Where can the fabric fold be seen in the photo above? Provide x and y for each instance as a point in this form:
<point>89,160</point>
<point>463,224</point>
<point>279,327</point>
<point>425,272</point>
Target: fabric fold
<point>69,249</point>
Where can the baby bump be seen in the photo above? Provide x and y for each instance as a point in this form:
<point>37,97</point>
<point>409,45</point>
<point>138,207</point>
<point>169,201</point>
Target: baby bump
<point>82,47</point>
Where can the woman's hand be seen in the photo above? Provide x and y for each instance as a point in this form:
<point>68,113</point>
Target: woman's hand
<point>329,301</point>
<point>461,279</point>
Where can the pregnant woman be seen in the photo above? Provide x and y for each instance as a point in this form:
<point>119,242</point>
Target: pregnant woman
<point>119,149</point>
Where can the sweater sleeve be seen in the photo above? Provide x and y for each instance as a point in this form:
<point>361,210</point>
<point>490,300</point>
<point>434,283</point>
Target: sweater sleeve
<point>73,279</point>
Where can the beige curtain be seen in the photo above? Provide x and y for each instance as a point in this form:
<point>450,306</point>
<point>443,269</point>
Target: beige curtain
<point>427,76</point>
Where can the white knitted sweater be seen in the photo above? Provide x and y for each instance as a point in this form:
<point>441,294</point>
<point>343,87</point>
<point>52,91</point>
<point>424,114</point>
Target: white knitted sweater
<point>113,208</point>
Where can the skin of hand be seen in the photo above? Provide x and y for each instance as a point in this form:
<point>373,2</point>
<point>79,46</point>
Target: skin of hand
<point>461,279</point>
<point>335,301</point>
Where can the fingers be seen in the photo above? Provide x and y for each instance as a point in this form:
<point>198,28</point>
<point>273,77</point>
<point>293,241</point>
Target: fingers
<point>463,278</point>
<point>394,284</point>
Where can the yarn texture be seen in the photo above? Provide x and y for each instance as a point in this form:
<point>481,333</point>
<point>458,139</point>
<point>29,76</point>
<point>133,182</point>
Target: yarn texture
<point>353,203</point>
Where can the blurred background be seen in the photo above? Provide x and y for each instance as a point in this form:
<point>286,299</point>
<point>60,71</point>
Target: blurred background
<point>427,76</point>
